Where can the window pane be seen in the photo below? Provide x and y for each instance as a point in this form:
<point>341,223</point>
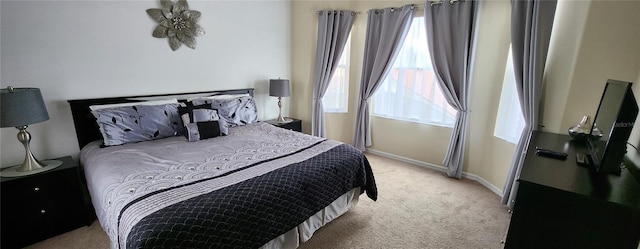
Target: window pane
<point>337,96</point>
<point>410,91</point>
<point>510,122</point>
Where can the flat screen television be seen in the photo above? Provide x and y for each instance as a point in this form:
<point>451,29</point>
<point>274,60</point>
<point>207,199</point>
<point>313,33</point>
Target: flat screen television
<point>614,118</point>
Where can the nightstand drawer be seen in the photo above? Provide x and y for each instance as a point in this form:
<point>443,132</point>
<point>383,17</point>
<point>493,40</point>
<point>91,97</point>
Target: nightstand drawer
<point>21,219</point>
<point>38,188</point>
<point>57,186</point>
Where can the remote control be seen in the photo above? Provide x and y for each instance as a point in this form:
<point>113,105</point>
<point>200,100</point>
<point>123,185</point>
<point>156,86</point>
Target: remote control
<point>551,154</point>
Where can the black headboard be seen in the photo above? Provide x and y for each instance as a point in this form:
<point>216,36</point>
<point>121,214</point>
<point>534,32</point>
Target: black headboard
<point>86,128</point>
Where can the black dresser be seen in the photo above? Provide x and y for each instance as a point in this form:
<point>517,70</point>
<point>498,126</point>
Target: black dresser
<point>40,206</point>
<point>563,205</point>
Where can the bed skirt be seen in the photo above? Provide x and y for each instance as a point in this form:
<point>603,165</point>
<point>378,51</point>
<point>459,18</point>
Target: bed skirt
<point>305,230</point>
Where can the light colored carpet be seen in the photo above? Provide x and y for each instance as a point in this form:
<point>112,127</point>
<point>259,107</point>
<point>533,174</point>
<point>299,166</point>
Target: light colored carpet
<point>416,208</point>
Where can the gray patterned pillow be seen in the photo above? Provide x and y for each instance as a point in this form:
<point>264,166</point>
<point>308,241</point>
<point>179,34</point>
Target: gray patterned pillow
<point>236,111</point>
<point>121,125</point>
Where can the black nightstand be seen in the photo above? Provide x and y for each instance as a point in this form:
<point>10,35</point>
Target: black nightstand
<point>40,206</point>
<point>294,124</point>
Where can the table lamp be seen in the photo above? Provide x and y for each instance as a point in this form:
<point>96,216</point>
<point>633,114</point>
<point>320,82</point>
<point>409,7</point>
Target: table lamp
<point>280,88</point>
<point>19,108</point>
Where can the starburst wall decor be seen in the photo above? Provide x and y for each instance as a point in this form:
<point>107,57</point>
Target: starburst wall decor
<point>176,22</point>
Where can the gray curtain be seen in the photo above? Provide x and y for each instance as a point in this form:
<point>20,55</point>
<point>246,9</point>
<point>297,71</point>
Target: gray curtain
<point>531,23</point>
<point>333,31</point>
<point>450,33</point>
<point>386,30</point>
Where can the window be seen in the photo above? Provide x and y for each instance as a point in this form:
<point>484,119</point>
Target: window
<point>510,122</point>
<point>410,91</point>
<point>336,97</point>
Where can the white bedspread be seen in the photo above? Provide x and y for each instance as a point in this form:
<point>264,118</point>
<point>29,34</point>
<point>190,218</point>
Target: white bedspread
<point>119,174</point>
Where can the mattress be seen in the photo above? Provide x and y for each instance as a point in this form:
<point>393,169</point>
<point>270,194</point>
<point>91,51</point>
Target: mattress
<point>257,185</point>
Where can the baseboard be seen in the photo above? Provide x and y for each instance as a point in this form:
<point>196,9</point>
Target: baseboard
<point>440,168</point>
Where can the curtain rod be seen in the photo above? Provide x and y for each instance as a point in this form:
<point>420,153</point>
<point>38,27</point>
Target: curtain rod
<point>417,5</point>
<point>319,12</point>
<point>435,2</point>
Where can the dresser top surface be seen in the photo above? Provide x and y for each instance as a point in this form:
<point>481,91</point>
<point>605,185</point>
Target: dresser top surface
<point>568,176</point>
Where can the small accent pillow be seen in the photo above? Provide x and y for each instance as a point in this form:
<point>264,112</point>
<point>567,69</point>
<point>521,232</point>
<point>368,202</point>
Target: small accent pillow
<point>202,122</point>
<point>236,111</point>
<point>128,124</point>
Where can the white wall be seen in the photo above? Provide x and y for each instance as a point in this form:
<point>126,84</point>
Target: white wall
<point>587,53</point>
<point>566,37</point>
<point>89,49</point>
<point>489,157</point>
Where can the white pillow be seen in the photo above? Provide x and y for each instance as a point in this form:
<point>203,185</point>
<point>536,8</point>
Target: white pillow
<point>150,102</point>
<point>220,97</point>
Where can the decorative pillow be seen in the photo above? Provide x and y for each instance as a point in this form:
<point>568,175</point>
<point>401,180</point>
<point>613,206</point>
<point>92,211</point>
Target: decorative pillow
<point>202,122</point>
<point>128,124</point>
<point>150,102</point>
<point>236,111</point>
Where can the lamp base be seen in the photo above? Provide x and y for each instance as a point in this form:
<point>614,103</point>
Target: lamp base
<point>281,119</point>
<point>13,170</point>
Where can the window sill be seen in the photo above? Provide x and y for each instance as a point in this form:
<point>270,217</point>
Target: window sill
<point>412,121</point>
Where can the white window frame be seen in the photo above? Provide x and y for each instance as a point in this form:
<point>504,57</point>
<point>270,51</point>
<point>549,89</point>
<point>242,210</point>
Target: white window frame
<point>336,98</point>
<point>427,104</point>
<point>509,121</point>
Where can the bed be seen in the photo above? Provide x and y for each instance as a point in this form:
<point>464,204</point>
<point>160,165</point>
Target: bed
<point>253,185</point>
